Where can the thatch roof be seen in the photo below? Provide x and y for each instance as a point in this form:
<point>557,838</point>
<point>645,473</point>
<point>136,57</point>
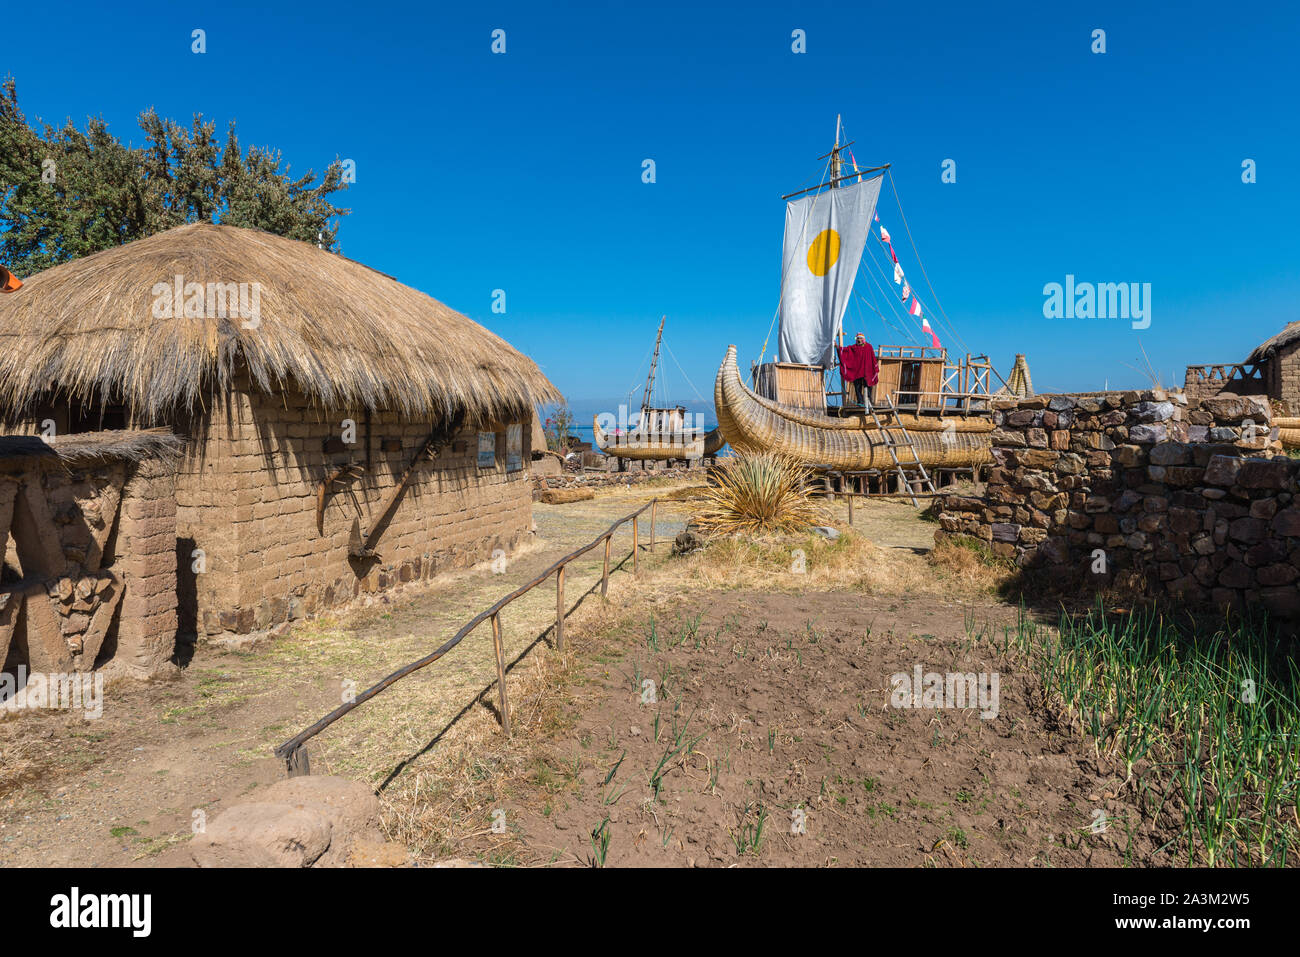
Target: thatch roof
<point>346,335</point>
<point>1265,350</point>
<point>88,448</point>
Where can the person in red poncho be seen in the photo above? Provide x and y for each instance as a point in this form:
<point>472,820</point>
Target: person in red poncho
<point>859,367</point>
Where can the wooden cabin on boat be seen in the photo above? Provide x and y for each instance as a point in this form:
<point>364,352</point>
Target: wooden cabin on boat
<point>916,379</point>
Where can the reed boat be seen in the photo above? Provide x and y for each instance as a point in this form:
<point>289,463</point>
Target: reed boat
<point>660,433</point>
<point>895,408</point>
<point>1288,432</point>
<point>660,446</point>
<point>848,443</point>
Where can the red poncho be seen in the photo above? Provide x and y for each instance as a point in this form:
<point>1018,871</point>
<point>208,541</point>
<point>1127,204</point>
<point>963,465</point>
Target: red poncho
<point>859,362</point>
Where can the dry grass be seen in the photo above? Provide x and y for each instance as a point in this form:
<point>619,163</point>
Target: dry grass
<point>808,562</point>
<point>971,564</point>
<point>757,492</point>
<point>688,494</point>
<point>442,806</point>
<point>345,334</point>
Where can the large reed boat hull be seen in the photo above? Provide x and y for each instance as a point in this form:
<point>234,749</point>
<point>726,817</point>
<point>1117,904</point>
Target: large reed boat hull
<point>1288,432</point>
<point>750,422</point>
<point>633,445</point>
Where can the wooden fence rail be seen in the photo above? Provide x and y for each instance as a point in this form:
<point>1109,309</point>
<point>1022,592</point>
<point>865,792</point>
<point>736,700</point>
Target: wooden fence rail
<point>293,753</point>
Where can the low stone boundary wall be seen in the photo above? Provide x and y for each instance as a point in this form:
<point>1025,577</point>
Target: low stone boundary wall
<point>1195,498</point>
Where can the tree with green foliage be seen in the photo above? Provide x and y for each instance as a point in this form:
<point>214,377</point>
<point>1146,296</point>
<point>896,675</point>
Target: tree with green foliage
<point>65,193</point>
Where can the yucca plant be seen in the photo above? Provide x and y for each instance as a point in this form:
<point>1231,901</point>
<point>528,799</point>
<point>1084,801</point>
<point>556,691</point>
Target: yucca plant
<point>759,492</point>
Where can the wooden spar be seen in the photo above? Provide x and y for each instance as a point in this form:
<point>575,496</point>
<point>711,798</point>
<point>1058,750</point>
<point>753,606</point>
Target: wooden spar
<point>861,172</point>
<point>650,379</point>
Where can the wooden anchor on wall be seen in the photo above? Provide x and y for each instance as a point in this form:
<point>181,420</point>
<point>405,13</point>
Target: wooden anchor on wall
<point>362,542</point>
<point>339,478</point>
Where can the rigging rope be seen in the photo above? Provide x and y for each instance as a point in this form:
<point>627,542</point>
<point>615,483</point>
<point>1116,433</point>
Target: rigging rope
<point>684,375</point>
<point>947,323</point>
<point>893,299</point>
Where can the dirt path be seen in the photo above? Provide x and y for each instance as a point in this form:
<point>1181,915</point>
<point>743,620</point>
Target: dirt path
<point>128,785</point>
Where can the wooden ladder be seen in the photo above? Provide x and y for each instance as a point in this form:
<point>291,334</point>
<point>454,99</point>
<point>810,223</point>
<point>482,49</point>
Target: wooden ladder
<point>911,460</point>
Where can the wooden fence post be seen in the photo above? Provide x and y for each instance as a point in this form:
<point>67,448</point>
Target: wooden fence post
<point>297,763</point>
<point>501,672</point>
<point>636,550</point>
<point>559,609</point>
<point>604,576</point>
<point>850,508</point>
<point>653,505</point>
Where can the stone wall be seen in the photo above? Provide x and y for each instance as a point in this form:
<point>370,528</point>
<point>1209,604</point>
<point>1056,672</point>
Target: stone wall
<point>1191,496</point>
<point>248,501</point>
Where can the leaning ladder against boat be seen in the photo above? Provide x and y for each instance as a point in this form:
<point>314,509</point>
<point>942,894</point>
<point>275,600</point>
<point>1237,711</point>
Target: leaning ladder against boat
<point>887,407</point>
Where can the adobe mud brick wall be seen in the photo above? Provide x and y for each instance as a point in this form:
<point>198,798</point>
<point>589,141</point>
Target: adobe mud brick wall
<point>1284,377</point>
<point>247,500</point>
<point>1194,498</point>
<point>146,559</point>
<point>1204,382</point>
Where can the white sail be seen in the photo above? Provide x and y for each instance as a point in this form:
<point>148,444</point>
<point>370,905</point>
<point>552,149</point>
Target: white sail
<point>825,234</point>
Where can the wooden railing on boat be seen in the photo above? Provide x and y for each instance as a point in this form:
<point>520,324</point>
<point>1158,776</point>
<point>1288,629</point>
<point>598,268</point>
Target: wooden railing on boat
<point>293,752</point>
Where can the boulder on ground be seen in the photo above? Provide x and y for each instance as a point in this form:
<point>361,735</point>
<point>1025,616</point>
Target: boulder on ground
<point>308,821</point>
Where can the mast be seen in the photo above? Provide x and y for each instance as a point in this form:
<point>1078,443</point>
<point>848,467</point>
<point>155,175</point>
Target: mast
<point>837,164</point>
<point>650,379</point>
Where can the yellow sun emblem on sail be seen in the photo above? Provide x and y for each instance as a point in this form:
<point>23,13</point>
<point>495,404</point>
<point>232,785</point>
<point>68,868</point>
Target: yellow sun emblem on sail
<point>824,252</point>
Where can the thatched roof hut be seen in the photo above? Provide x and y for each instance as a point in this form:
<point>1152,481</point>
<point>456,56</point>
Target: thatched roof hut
<point>342,432</point>
<point>103,329</point>
<point>1290,335</point>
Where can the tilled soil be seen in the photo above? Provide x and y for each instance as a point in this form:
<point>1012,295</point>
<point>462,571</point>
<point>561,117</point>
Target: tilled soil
<point>772,741</point>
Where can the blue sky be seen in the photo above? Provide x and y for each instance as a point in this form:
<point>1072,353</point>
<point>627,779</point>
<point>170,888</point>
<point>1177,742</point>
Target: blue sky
<point>522,171</point>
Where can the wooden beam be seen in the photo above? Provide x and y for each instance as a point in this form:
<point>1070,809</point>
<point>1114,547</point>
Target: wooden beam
<point>99,622</point>
<point>8,492</point>
<point>11,604</point>
<point>110,500</point>
<point>47,650</point>
<point>36,537</point>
